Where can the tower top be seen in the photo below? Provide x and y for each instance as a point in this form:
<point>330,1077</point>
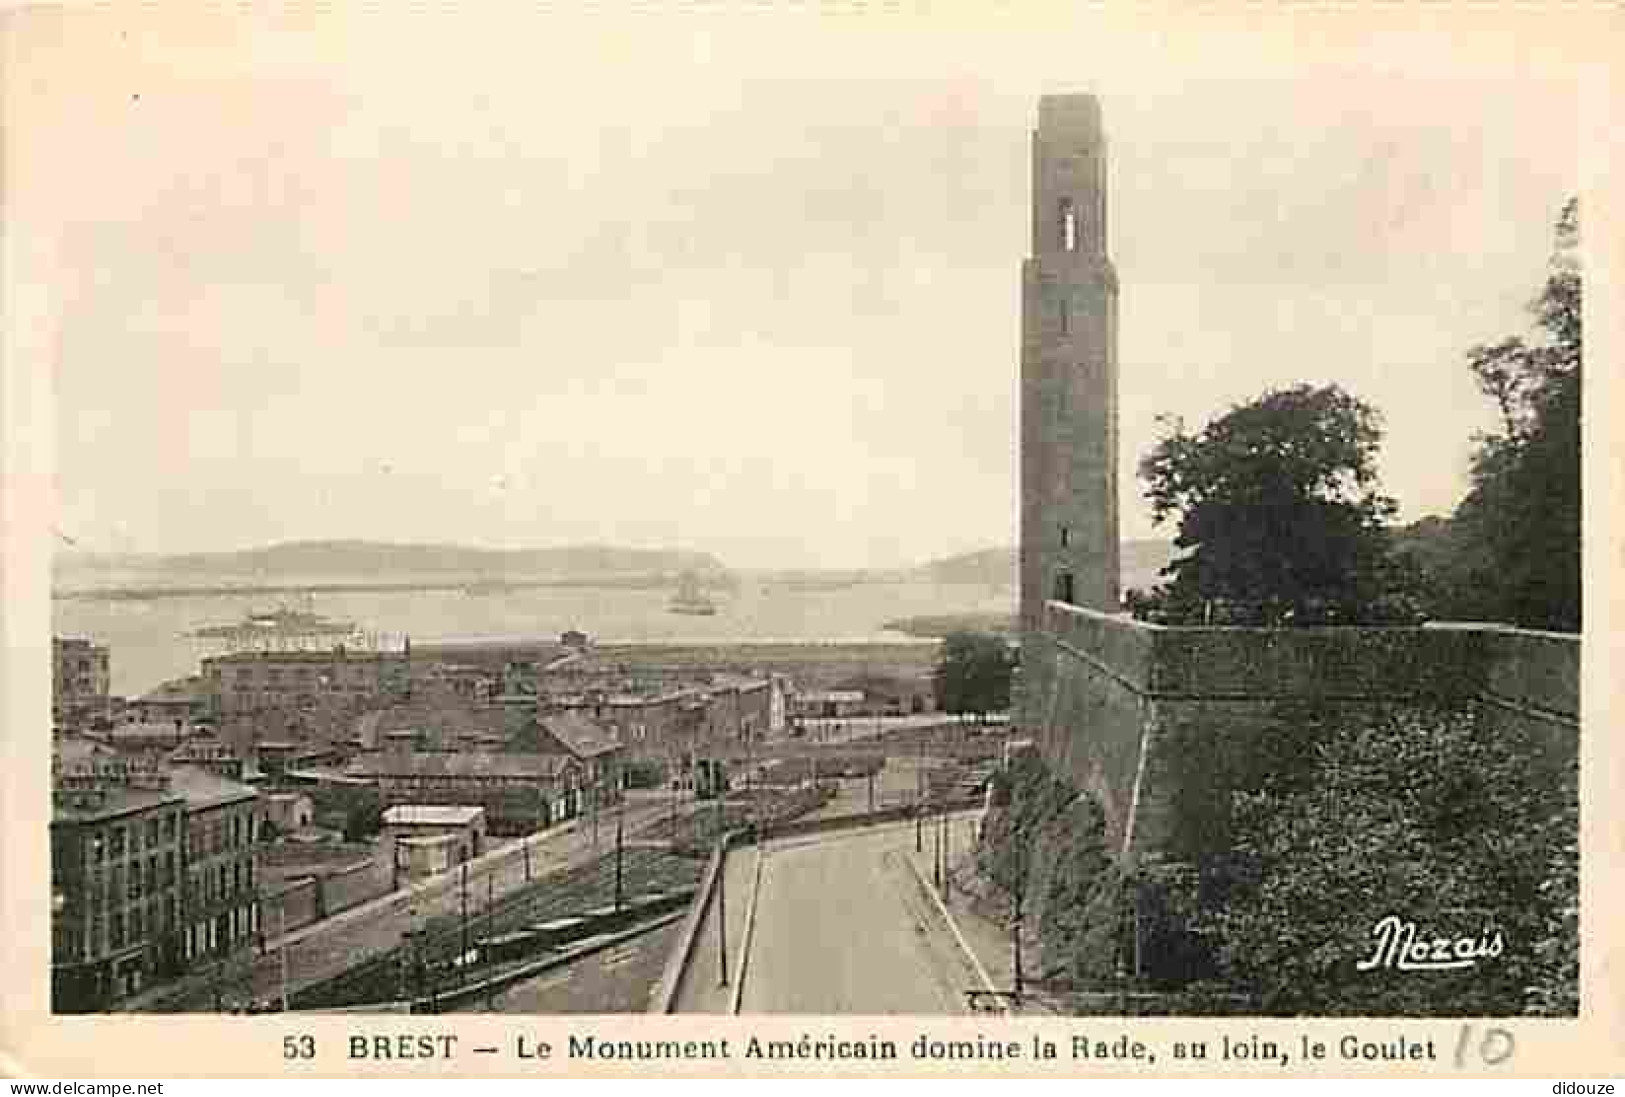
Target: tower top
<point>1074,114</point>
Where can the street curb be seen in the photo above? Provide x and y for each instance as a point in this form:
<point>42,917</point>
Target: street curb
<point>743,964</point>
<point>953,927</point>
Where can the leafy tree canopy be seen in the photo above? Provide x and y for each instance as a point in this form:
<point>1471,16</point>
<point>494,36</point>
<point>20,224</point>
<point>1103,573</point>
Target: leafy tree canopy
<point>1517,538</point>
<point>1278,512</point>
<point>973,674</point>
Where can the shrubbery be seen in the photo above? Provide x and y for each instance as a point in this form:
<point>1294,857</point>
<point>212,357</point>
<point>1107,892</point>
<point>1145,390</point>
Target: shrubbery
<point>1342,820</point>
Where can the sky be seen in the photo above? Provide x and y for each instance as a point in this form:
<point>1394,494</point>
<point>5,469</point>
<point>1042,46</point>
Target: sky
<point>738,287</point>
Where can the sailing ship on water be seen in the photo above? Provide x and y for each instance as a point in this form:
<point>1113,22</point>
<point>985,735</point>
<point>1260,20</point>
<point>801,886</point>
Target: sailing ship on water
<point>690,599</point>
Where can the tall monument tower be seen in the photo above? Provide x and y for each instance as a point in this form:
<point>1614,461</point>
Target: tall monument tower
<point>1069,546</point>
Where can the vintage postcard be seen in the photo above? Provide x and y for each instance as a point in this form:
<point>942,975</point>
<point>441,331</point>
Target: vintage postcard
<point>810,540</point>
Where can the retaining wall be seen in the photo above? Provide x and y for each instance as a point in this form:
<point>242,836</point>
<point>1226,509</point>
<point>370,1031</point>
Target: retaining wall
<point>1152,719</point>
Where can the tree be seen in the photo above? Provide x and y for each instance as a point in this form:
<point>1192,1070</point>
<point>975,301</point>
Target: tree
<point>1279,515</point>
<point>363,818</point>
<point>1518,530</point>
<point>973,674</point>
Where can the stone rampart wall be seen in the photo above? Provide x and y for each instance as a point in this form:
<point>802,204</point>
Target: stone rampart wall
<point>1155,721</point>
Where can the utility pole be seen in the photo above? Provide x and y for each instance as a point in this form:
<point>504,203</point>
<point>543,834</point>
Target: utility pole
<point>1015,921</point>
<point>750,774</point>
<point>672,781</point>
<point>947,855</point>
<point>722,897</point>
<point>462,965</point>
<point>1015,942</point>
<point>619,819</point>
<point>936,852</point>
<point>490,925</point>
<point>282,950</point>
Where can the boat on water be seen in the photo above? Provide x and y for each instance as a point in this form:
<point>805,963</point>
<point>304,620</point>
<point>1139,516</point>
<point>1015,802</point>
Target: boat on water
<point>690,599</point>
<point>286,625</point>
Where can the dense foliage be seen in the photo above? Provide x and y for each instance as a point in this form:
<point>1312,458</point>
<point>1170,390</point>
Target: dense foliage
<point>1279,517</point>
<point>973,674</point>
<point>1419,812</point>
<point>1512,551</point>
<point>1423,815</point>
<point>1043,848</point>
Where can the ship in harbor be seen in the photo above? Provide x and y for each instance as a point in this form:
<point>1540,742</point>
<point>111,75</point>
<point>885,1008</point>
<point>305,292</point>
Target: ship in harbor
<point>285,628</point>
<point>690,599</point>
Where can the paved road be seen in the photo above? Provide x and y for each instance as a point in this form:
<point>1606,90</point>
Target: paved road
<point>896,784</point>
<point>844,925</point>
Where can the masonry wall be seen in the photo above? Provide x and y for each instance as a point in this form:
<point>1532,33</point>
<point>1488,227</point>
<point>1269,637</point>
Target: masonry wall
<point>1159,722</point>
<point>288,907</point>
<point>342,888</point>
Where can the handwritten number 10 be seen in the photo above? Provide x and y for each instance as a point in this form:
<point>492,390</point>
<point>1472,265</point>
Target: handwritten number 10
<point>1494,1048</point>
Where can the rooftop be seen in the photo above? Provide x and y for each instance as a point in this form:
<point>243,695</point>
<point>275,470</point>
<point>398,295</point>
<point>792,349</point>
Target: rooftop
<point>441,763</point>
<point>433,815</point>
<point>177,689</point>
<point>832,696</point>
<point>205,789</point>
<point>86,805</point>
<point>582,737</point>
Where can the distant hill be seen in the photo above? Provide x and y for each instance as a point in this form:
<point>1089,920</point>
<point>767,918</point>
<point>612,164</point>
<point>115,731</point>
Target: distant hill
<point>1140,562</point>
<point>994,567</point>
<point>308,559</point>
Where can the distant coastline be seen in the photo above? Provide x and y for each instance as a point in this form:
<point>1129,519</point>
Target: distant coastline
<point>936,626</point>
<point>146,591</point>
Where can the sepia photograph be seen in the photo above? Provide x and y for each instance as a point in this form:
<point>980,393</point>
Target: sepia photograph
<point>548,531</point>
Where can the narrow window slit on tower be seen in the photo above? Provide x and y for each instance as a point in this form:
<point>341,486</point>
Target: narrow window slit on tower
<point>1066,536</point>
<point>1066,317</point>
<point>1069,226</point>
<point>1064,591</point>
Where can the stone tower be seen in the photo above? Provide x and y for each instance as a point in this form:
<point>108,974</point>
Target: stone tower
<point>1069,545</point>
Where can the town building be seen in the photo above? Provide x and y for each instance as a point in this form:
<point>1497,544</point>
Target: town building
<point>81,680</point>
<point>218,758</point>
<point>827,704</point>
<point>428,838</point>
<point>420,856</point>
<point>182,699</point>
<point>248,681</point>
<point>520,791</point>
<point>117,832</point>
<point>222,826</point>
<point>135,737</point>
<point>593,748</point>
<point>659,719</point>
<point>287,813</point>
<point>441,724</point>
